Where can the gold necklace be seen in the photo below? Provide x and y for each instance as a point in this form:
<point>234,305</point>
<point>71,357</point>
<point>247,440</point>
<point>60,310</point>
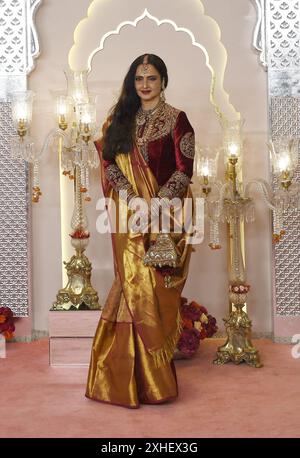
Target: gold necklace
<point>145,121</point>
<point>144,115</point>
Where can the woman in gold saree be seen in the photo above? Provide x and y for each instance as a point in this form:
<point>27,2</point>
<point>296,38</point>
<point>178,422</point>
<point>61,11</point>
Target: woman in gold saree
<point>147,151</point>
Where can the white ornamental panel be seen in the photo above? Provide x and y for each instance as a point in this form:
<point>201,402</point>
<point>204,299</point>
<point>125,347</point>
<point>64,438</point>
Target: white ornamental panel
<point>18,49</point>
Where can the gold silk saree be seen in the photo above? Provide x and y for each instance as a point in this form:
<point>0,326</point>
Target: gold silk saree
<point>131,357</point>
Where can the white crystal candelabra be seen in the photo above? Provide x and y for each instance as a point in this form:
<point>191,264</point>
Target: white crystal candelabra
<point>231,202</point>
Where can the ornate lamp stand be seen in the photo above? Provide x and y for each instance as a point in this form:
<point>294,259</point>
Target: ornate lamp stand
<point>78,293</point>
<point>238,346</point>
<point>76,118</point>
<point>231,202</point>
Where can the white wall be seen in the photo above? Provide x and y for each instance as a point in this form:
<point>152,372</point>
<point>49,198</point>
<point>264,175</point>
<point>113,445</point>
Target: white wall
<point>245,81</point>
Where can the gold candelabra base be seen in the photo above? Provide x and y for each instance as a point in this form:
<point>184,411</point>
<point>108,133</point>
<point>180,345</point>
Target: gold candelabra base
<point>79,293</point>
<point>238,347</point>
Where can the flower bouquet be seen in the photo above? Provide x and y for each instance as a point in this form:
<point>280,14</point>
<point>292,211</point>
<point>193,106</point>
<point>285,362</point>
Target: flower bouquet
<point>7,326</point>
<point>197,325</point>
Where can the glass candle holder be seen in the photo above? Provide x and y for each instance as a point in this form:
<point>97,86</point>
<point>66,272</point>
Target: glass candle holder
<point>86,120</point>
<point>284,159</point>
<point>232,140</point>
<point>63,110</point>
<point>22,102</point>
<point>77,85</point>
<point>206,166</point>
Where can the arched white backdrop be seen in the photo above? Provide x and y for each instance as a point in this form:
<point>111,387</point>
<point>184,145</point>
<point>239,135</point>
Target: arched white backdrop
<point>224,29</point>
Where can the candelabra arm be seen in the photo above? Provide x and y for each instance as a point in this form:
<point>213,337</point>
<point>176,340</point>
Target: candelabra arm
<point>222,190</point>
<point>264,189</point>
<point>226,191</point>
<point>55,133</point>
<point>218,185</point>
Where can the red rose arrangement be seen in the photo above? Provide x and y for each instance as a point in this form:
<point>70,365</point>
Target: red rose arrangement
<point>80,234</point>
<point>7,326</point>
<point>197,325</point>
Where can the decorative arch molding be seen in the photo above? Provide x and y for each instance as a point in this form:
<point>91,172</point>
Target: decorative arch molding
<point>259,34</point>
<point>85,48</point>
<point>33,45</point>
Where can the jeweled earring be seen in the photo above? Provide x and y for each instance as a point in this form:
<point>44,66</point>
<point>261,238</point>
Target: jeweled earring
<point>162,94</point>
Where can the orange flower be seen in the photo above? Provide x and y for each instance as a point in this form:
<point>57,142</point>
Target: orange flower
<point>188,324</point>
<point>8,335</point>
<point>195,304</point>
<point>2,318</point>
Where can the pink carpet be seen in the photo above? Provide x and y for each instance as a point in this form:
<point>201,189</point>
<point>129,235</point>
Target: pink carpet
<point>214,401</point>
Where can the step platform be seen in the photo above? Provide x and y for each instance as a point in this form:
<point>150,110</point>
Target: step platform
<point>71,336</point>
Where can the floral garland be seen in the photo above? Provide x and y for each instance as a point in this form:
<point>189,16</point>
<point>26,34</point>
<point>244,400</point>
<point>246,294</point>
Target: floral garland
<point>197,325</point>
<point>7,326</point>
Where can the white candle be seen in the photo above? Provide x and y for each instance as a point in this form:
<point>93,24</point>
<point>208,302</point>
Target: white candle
<point>86,118</point>
<point>205,170</point>
<point>284,163</point>
<point>62,109</point>
<point>233,149</point>
<point>22,112</point>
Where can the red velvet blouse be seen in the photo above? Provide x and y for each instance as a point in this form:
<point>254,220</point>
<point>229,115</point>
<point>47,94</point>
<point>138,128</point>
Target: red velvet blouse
<point>166,140</point>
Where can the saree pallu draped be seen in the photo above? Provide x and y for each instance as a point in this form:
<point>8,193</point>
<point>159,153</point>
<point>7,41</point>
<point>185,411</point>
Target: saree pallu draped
<point>131,358</point>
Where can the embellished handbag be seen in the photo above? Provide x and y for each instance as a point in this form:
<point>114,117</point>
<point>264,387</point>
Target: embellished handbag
<point>162,253</point>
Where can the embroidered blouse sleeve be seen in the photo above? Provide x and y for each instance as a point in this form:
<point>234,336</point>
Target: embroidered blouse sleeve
<point>184,141</point>
<point>114,175</point>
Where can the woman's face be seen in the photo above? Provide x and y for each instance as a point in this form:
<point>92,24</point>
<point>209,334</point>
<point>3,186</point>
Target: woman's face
<point>148,83</point>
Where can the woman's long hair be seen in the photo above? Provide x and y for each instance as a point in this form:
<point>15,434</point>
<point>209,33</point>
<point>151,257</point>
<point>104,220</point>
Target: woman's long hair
<point>118,137</point>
